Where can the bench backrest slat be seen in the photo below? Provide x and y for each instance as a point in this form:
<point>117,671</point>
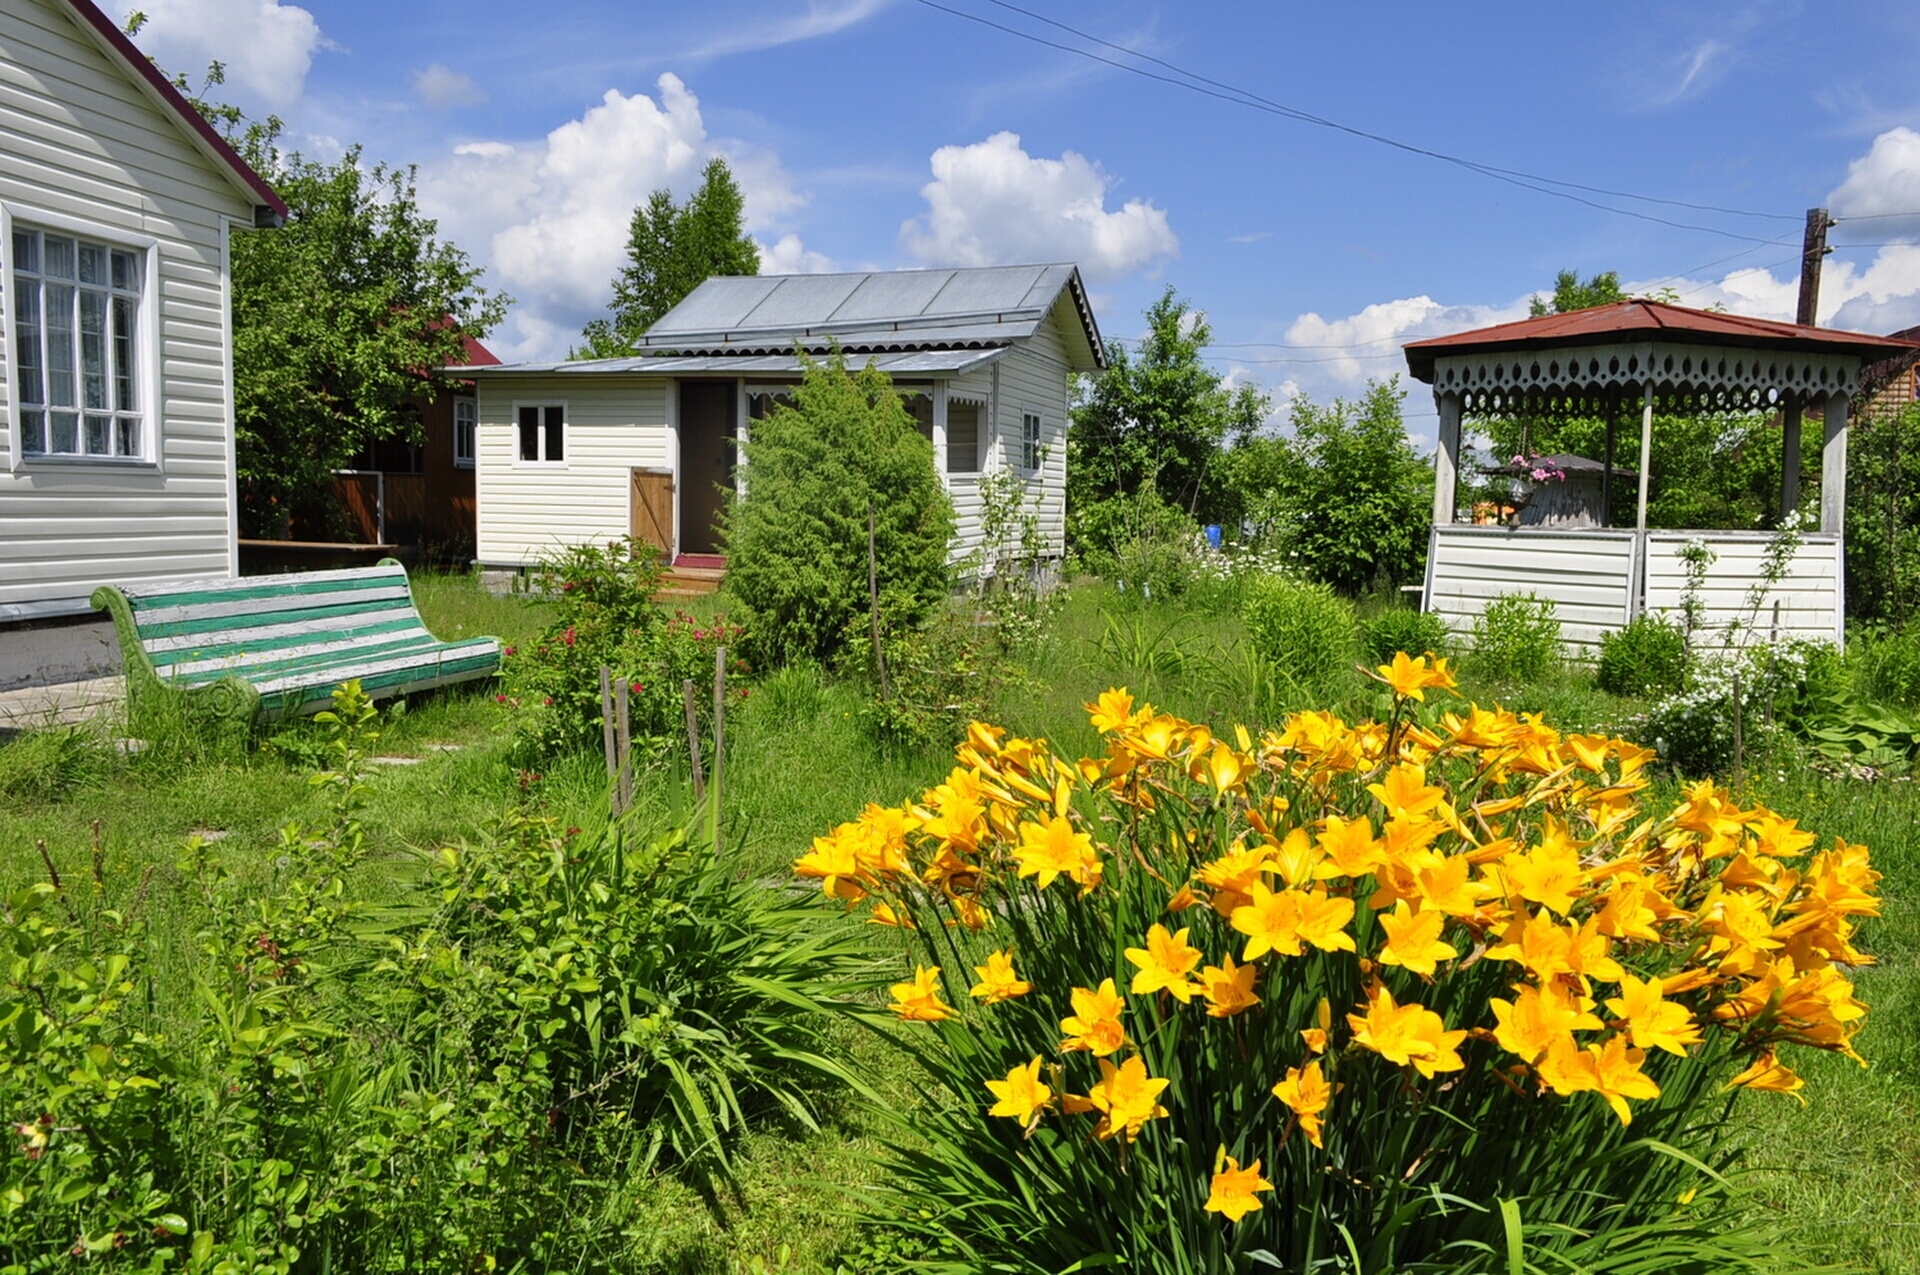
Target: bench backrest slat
<point>262,626</point>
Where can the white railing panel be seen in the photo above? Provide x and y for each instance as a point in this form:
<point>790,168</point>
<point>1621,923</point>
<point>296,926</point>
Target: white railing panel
<point>1808,602</point>
<point>1588,575</point>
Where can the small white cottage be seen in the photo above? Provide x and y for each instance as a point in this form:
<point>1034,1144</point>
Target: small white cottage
<point>593,450</point>
<point>116,199</point>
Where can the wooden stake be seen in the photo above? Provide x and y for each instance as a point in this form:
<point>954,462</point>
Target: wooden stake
<point>693,743</point>
<point>623,746</point>
<point>719,743</point>
<point>1739,740</point>
<point>873,604</point>
<point>606,721</point>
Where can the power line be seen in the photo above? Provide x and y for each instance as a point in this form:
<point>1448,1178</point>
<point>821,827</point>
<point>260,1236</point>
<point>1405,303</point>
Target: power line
<point>1193,82</point>
<point>1900,216</point>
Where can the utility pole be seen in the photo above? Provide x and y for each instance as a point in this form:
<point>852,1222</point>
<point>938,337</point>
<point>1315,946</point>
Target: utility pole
<point>1813,251</point>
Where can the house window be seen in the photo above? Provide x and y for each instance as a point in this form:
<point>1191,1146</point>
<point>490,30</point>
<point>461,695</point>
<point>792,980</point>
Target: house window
<point>1030,443</point>
<point>76,345</point>
<point>963,437</point>
<point>543,433</point>
<point>466,418</point>
<point>920,407</point>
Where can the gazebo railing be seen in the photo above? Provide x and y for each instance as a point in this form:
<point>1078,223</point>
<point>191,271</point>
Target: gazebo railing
<point>1600,579</point>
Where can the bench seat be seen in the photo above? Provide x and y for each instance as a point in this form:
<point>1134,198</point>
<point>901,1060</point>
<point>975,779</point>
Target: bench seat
<point>253,649</point>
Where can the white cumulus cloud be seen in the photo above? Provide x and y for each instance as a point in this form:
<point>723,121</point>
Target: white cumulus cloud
<point>549,218</point>
<point>1883,184</point>
<point>787,255</point>
<point>441,87</point>
<point>267,47</point>
<point>991,203</point>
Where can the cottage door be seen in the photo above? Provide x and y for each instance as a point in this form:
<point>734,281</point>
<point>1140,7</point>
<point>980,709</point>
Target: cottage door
<point>651,517</point>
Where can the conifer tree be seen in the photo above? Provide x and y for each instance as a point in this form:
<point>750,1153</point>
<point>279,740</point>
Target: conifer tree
<point>671,250</point>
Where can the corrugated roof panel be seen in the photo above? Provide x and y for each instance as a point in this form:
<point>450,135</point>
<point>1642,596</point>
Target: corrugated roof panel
<point>892,294</point>
<point>719,304</point>
<point>909,362</point>
<point>996,290</point>
<point>800,301</point>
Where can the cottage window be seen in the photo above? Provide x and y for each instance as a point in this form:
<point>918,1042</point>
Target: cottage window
<point>963,437</point>
<point>920,407</point>
<point>466,419</point>
<point>1030,443</point>
<point>543,433</point>
<point>76,334</point>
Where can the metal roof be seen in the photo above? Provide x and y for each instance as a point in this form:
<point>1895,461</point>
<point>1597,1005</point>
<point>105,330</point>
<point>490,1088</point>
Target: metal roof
<point>882,310</point>
<point>1654,321</point>
<point>909,363</point>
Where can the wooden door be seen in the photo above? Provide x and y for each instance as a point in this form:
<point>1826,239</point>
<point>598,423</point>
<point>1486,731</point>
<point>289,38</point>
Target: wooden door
<point>651,516</point>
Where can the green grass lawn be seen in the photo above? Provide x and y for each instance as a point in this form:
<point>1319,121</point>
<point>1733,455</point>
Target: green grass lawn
<point>1845,1167</point>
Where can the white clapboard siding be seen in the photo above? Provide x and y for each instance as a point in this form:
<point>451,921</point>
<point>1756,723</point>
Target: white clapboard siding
<point>1035,377</point>
<point>1588,575</point>
<point>615,424</point>
<point>1807,603</point>
<point>79,141</point>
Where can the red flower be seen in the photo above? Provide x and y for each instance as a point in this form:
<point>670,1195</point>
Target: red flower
<point>499,699</point>
<point>546,701</point>
<point>637,687</point>
<point>567,637</point>
<point>509,650</point>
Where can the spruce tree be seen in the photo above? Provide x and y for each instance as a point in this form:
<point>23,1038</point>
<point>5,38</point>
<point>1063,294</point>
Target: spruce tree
<point>671,250</point>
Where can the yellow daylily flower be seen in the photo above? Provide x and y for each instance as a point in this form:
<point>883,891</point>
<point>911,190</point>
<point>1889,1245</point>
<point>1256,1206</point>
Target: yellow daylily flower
<point>1407,1034</point>
<point>1228,988</point>
<point>1413,940</point>
<point>1164,964</point>
<point>1054,849</point>
<point>998,982</point>
<point>1538,1018</point>
<point>1306,1092</point>
<point>1232,1193</point>
<point>1767,1073</point>
<point>1127,1097</point>
<point>919,1001</point>
<point>1095,1024</point>
<point>1653,1022</point>
<point>1112,711</point>
<point>1021,1095</point>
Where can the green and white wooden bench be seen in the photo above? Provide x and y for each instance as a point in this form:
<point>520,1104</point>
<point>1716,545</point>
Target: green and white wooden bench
<point>249,650</point>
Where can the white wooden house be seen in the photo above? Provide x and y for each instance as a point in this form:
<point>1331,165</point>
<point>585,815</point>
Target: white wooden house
<point>592,450</point>
<point>116,200</point>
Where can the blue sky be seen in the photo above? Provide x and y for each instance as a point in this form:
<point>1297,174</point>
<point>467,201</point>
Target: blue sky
<point>899,133</point>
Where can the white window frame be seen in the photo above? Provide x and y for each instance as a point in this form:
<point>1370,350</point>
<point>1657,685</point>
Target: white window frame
<point>982,434</point>
<point>1033,451</point>
<point>467,459</point>
<point>147,340</point>
<point>566,430</point>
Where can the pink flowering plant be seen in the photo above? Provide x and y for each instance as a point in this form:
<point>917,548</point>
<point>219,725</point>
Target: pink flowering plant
<point>1537,468</point>
<point>605,614</point>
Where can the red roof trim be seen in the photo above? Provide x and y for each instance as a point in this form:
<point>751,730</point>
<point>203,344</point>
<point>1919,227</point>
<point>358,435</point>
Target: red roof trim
<point>108,33</point>
<point>1649,320</point>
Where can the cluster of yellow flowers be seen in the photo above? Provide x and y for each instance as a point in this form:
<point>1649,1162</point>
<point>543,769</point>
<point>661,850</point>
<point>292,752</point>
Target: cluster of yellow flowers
<point>1481,836</point>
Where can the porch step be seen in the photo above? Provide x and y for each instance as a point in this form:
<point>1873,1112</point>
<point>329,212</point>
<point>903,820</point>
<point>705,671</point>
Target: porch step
<point>688,581</point>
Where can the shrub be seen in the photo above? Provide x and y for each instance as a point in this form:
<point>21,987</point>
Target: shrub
<point>797,542</point>
<point>1779,687</point>
<point>1304,629</point>
<point>940,675</point>
<point>605,614</point>
<point>1646,657</point>
<point>1888,665</point>
<point>1312,1019</point>
<point>1402,629</point>
<point>1143,546</point>
<point>1517,638</point>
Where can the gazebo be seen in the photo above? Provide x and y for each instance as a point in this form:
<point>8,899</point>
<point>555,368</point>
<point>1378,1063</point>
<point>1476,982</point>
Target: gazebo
<point>1620,362</point>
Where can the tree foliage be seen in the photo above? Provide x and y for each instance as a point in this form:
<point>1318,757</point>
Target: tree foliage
<point>797,542</point>
<point>1569,294</point>
<point>1157,418</point>
<point>671,250</point>
<point>341,319</point>
<point>1345,494</point>
<point>1883,515</point>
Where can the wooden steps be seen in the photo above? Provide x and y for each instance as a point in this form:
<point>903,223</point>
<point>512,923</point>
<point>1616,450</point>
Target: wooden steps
<point>686,580</point>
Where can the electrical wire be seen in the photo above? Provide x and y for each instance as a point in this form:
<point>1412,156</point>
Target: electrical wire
<point>1241,97</point>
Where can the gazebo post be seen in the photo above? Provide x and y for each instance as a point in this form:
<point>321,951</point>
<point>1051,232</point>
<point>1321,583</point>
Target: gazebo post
<point>1646,454</point>
<point>1790,456</point>
<point>1833,467</point>
<point>1606,474</point>
<point>1446,459</point>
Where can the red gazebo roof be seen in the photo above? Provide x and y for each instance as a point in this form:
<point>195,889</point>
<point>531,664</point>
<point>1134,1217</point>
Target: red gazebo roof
<point>1655,321</point>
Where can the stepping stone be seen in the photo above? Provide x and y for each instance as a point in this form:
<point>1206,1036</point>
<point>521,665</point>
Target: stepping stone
<point>393,761</point>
